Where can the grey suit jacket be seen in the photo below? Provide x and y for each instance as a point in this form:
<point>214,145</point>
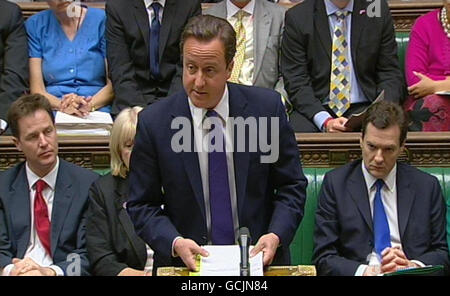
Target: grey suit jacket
<point>267,31</point>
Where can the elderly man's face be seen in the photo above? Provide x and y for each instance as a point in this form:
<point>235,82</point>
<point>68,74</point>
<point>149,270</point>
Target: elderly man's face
<point>380,149</point>
<point>205,71</point>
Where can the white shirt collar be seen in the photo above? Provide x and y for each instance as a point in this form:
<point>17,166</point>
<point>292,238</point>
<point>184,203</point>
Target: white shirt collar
<point>389,180</point>
<point>50,178</point>
<point>233,9</point>
<point>149,2</point>
<point>222,108</point>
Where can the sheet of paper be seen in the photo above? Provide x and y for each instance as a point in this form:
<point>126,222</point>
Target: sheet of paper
<point>354,122</point>
<point>93,117</point>
<point>225,261</point>
<point>83,132</point>
<point>443,93</point>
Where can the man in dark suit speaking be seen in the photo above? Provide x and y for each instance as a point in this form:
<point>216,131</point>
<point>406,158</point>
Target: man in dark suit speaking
<point>143,38</point>
<point>336,57</point>
<point>42,200</point>
<point>379,215</point>
<point>183,193</point>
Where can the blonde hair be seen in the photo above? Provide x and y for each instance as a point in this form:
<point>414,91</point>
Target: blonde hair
<point>123,130</point>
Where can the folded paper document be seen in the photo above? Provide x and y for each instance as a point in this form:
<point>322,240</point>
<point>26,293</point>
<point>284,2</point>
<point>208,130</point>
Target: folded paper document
<point>96,123</point>
<point>225,261</point>
<point>354,122</point>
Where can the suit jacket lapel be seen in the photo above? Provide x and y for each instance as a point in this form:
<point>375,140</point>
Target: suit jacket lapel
<point>358,192</point>
<point>140,11</point>
<point>261,29</point>
<point>190,159</point>
<point>121,193</point>
<point>405,199</point>
<point>237,107</point>
<point>21,210</point>
<point>169,15</point>
<point>322,27</point>
<point>63,197</point>
<point>358,23</point>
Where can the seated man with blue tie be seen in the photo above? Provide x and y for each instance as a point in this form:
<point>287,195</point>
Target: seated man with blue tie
<point>337,56</point>
<point>180,199</point>
<point>143,48</point>
<point>378,215</point>
<point>42,200</point>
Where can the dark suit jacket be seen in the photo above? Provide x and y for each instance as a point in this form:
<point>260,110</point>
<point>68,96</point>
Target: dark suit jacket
<point>111,241</point>
<point>306,55</point>
<point>68,215</point>
<point>270,197</point>
<point>127,36</point>
<point>344,235</point>
<point>13,56</point>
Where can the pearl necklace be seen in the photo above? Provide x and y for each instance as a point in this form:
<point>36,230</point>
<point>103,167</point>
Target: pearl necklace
<point>444,21</point>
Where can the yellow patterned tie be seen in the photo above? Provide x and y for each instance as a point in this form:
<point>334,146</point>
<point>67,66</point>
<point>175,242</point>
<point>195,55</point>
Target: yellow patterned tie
<point>340,68</point>
<point>240,47</point>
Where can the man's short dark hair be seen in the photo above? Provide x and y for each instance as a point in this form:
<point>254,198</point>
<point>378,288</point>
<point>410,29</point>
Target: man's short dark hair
<point>384,114</point>
<point>207,28</point>
<point>24,106</point>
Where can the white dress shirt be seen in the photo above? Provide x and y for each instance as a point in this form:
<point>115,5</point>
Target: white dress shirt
<point>150,12</point>
<point>248,67</point>
<point>389,198</point>
<point>35,249</point>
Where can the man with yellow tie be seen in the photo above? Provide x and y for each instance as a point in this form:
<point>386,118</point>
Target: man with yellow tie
<point>336,58</point>
<point>259,27</point>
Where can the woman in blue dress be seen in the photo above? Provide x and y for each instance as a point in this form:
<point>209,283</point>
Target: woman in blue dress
<point>67,57</point>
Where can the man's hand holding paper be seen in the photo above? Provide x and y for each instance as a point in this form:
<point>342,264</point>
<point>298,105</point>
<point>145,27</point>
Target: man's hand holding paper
<point>188,250</point>
<point>268,244</point>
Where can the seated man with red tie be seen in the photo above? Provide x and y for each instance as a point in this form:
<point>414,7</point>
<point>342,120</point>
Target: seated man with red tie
<point>42,200</point>
<point>378,215</point>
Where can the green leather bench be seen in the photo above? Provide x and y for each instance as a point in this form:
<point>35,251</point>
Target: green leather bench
<point>402,39</point>
<point>303,244</point>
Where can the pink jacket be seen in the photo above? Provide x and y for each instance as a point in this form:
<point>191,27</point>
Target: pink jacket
<point>428,50</point>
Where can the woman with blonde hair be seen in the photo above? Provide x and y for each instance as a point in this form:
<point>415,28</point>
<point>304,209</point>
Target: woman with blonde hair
<point>113,246</point>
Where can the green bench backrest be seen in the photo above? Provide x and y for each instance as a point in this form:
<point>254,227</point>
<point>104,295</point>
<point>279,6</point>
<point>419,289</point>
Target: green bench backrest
<point>402,39</point>
<point>303,244</point>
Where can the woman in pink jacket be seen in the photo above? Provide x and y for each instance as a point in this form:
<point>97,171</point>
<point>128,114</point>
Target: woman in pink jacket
<point>428,71</point>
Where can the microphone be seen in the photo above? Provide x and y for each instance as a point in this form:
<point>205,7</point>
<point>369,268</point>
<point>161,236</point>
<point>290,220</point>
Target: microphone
<point>244,240</point>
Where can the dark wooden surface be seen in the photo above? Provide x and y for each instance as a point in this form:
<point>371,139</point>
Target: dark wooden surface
<point>316,150</point>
